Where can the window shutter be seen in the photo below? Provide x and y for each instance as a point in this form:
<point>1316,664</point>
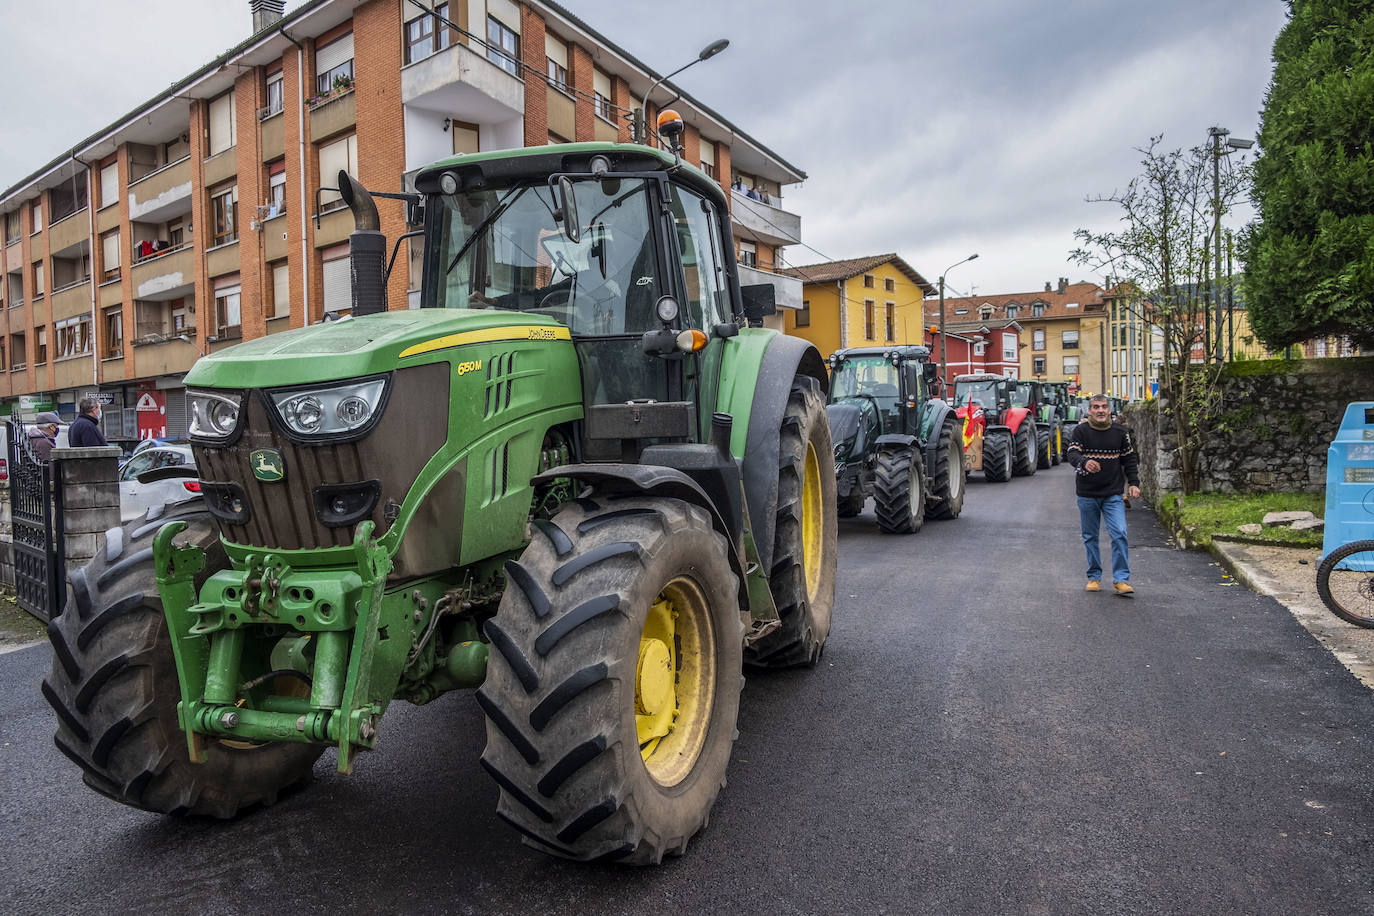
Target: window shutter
<point>281,291</point>
<point>109,184</point>
<point>338,286</point>
<point>110,247</point>
<point>334,53</point>
<point>222,123</point>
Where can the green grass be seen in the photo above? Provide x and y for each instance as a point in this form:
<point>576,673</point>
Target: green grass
<point>1208,514</point>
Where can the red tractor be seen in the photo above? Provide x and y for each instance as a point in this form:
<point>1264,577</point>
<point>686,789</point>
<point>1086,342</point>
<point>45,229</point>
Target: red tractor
<point>999,434</point>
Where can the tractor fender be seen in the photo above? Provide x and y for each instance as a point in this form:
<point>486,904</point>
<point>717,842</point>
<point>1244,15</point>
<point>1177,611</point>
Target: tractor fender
<point>1015,417</point>
<point>897,439</point>
<point>989,430</point>
<point>764,403</point>
<point>657,481</point>
<point>933,418</point>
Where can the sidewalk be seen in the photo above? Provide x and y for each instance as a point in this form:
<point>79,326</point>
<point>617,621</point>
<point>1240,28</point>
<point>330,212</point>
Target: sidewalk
<point>1281,573</point>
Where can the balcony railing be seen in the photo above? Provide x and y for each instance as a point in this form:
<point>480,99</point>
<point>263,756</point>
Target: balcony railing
<point>153,255</point>
<point>340,77</point>
<point>136,176</point>
<point>72,285</point>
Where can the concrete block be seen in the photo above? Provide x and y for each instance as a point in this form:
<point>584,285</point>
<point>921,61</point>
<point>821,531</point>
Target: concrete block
<point>91,496</point>
<point>90,521</point>
<point>1277,519</point>
<point>1308,524</point>
<point>81,547</point>
<point>1251,529</point>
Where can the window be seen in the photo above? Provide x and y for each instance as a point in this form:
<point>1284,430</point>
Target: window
<point>980,348</point>
<point>281,291</point>
<point>868,319</point>
<point>222,135</point>
<point>985,313</point>
<point>426,34</point>
<point>1038,339</point>
<point>601,96</point>
<point>1038,365</point>
<point>1071,305</point>
<point>961,311</point>
<point>37,279</point>
<point>804,316</point>
<point>38,216</point>
<point>334,65</point>
<point>109,255</point>
<point>227,319</point>
<point>223,206</point>
<point>503,46</point>
<point>180,317</point>
<point>889,285</point>
<point>275,95</point>
<point>890,320</point>
<point>868,281</point>
<point>114,332</point>
<point>338,286</point>
<point>1070,340</point>
<point>708,158</point>
<point>73,336</point>
<point>1116,360</point>
<point>748,253</point>
<point>1012,310</point>
<point>558,75</point>
<point>339,156</point>
<point>276,189</point>
<point>1071,365</point>
<point>40,345</point>
<point>18,353</point>
<point>109,185</point>
<point>1008,347</point>
<point>1037,309</point>
<point>12,227</point>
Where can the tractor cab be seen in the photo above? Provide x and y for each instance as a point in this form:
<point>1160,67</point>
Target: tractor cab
<point>892,384</point>
<point>992,393</point>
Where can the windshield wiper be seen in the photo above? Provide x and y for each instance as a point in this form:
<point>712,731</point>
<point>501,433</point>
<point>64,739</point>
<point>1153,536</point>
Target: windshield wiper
<point>502,205</point>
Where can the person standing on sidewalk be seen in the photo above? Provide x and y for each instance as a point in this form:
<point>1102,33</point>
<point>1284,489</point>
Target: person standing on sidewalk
<point>43,436</point>
<point>85,429</point>
<point>1105,463</point>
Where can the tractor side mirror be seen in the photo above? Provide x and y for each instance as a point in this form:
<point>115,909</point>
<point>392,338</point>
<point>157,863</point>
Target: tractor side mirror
<point>567,209</point>
<point>760,300</point>
<point>929,371</point>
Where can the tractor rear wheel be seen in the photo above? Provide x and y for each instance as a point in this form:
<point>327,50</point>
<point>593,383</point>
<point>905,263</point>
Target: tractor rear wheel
<point>1056,444</point>
<point>997,458</point>
<point>1023,460</point>
<point>114,688</point>
<point>899,491</point>
<point>802,577</point>
<point>947,483</point>
<point>612,690</point>
<point>1043,460</point>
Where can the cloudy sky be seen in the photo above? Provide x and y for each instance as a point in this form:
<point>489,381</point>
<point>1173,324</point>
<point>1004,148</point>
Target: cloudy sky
<point>933,129</point>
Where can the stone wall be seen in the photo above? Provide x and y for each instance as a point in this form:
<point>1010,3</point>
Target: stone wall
<point>1270,429</point>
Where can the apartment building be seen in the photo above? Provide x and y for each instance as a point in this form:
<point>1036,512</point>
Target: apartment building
<point>205,216</point>
<point>1063,330</point>
<point>858,302</point>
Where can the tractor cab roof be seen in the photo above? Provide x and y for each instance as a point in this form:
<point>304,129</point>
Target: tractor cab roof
<point>982,377</point>
<point>901,351</point>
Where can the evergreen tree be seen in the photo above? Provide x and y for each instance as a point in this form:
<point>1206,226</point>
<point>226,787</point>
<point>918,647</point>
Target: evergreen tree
<point>1310,256</point>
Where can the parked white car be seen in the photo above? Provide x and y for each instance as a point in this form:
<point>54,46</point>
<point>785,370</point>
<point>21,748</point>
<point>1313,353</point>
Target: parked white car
<point>137,497</point>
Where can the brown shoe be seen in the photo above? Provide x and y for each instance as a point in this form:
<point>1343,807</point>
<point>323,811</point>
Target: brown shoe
<point>1123,589</point>
<point>1092,586</point>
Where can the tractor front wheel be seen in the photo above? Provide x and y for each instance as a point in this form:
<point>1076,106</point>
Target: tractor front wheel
<point>802,576</point>
<point>1043,459</point>
<point>612,690</point>
<point>899,491</point>
<point>114,688</point>
<point>947,483</point>
<point>1024,460</point>
<point>997,457</point>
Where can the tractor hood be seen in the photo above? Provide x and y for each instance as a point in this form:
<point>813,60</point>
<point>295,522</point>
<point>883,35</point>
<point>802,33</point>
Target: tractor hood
<point>363,346</point>
<point>853,422</point>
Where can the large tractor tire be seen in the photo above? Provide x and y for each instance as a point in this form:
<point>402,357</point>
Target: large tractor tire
<point>612,691</point>
<point>947,483</point>
<point>998,463</point>
<point>1056,444</point>
<point>114,688</point>
<point>1023,460</point>
<point>1043,444</point>
<point>802,578</point>
<point>899,491</point>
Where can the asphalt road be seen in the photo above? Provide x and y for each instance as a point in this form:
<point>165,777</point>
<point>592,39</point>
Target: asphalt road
<point>981,737</point>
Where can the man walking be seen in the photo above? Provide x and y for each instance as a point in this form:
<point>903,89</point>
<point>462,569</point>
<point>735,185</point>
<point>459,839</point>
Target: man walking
<point>43,436</point>
<point>85,429</point>
<point>1105,461</point>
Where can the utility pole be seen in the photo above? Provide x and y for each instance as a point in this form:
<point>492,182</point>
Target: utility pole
<point>1216,134</point>
<point>944,343</point>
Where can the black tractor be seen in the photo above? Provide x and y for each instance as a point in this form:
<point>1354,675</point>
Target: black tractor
<point>893,440</point>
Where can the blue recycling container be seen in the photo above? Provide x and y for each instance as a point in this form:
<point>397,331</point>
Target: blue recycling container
<point>1350,482</point>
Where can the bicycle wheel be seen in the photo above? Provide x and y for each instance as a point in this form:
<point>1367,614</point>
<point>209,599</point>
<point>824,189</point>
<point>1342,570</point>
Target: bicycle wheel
<point>1345,581</point>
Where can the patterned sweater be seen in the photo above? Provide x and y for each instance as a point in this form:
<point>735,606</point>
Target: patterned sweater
<point>1111,448</point>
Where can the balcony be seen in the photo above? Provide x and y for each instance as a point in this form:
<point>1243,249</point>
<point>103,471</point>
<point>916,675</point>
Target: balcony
<point>70,232</point>
<point>333,114</point>
<point>161,195</point>
<point>458,83</point>
<point>787,290</point>
<point>765,221</point>
<point>169,274</point>
<point>72,299</point>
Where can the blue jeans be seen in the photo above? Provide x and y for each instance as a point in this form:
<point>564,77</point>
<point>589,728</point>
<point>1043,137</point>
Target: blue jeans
<point>1092,511</point>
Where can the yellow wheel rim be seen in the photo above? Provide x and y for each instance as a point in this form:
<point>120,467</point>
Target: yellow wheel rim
<point>813,522</point>
<point>675,679</point>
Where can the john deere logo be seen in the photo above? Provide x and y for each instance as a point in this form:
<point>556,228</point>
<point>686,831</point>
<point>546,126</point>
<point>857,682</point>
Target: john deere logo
<point>267,464</point>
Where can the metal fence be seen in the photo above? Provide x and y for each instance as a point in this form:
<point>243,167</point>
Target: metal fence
<point>40,581</point>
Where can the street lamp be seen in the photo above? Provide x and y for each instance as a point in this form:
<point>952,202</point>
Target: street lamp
<point>944,343</point>
<point>637,121</point>
<point>1232,143</point>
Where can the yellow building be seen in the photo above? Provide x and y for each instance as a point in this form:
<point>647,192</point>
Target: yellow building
<point>859,302</point>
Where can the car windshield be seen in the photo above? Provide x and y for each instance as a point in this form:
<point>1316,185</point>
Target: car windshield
<point>984,393</point>
<point>503,249</point>
<point>865,375</point>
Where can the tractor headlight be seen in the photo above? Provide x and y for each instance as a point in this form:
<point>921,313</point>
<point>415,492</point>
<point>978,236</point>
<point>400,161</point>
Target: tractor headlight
<point>330,410</point>
<point>214,414</point>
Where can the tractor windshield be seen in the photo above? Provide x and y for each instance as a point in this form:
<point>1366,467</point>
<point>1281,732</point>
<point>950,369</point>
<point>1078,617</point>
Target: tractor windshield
<point>984,393</point>
<point>503,249</point>
<point>1021,395</point>
<point>873,376</point>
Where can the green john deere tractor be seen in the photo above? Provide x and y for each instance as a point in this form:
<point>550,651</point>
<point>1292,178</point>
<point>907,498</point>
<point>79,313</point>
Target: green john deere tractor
<point>893,440</point>
<point>576,479</point>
